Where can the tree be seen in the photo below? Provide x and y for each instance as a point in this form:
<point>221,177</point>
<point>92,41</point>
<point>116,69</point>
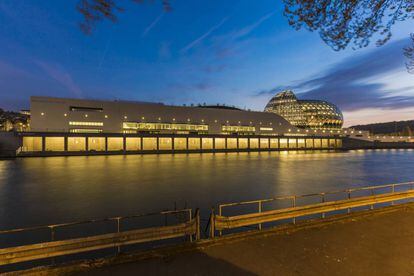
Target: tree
<point>344,22</point>
<point>409,53</point>
<point>94,11</point>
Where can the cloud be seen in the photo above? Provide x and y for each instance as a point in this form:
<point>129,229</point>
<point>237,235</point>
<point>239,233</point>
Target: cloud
<point>203,36</point>
<point>60,75</point>
<point>358,82</point>
<point>152,25</point>
<point>250,28</point>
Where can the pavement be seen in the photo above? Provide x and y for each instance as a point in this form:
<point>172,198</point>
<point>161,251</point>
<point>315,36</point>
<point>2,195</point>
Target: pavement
<point>373,243</point>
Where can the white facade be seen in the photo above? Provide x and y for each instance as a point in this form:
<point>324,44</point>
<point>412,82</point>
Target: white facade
<point>82,116</point>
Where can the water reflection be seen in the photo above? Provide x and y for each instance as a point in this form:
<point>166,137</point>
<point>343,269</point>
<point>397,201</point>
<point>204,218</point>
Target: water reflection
<point>58,189</point>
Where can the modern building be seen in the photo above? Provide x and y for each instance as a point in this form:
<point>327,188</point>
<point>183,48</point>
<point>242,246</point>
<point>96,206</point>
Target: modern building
<point>313,114</point>
<point>95,116</point>
<point>77,127</point>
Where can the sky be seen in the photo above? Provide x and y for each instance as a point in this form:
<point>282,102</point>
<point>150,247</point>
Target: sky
<point>227,52</point>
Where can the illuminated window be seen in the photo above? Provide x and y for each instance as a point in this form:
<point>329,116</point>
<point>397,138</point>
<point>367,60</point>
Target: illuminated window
<point>85,123</point>
<point>133,143</point>
<point>238,129</point>
<point>32,143</point>
<point>96,143</point>
<point>165,143</point>
<point>243,143</point>
<point>115,143</point>
<point>54,144</point>
<point>266,128</point>
<point>165,126</point>
<point>76,144</point>
<point>85,130</point>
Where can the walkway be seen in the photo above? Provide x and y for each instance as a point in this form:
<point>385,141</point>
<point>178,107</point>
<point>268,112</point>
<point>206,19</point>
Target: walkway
<point>376,243</point>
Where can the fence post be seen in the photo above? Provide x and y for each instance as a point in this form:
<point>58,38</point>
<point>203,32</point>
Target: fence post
<point>118,226</point>
<point>197,218</point>
<point>190,217</point>
<point>294,205</point>
<point>220,214</point>
<point>260,210</point>
<point>372,194</point>
<point>323,200</point>
<point>212,226</point>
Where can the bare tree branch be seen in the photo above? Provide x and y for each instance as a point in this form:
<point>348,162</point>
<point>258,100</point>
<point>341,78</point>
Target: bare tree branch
<point>94,11</point>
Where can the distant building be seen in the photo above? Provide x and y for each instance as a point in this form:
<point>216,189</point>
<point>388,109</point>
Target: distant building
<point>313,114</point>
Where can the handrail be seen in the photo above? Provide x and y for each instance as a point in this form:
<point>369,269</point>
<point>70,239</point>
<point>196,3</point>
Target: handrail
<point>93,221</point>
<point>294,198</point>
<point>229,222</point>
<point>116,239</point>
<point>315,194</point>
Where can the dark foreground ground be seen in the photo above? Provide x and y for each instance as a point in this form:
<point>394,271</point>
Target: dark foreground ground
<point>381,243</point>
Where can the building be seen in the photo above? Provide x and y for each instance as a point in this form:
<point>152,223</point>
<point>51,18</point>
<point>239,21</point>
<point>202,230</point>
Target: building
<point>94,116</point>
<point>311,114</point>
<point>77,127</point>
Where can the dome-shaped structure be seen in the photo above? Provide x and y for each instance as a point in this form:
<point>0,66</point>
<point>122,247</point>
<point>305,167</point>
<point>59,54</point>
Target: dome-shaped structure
<point>305,113</point>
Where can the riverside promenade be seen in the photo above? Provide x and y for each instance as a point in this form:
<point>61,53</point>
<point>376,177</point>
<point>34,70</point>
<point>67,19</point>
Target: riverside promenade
<point>375,242</point>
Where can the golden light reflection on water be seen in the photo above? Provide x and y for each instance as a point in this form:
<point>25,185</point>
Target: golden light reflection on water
<point>56,189</point>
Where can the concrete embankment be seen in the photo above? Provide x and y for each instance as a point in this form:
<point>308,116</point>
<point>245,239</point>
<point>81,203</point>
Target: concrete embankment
<point>378,242</point>
<point>352,144</point>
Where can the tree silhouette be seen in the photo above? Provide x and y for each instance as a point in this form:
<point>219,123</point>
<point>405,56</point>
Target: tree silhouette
<point>409,53</point>
<point>94,11</point>
<point>344,22</point>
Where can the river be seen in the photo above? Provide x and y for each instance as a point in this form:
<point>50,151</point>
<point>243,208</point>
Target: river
<point>37,191</point>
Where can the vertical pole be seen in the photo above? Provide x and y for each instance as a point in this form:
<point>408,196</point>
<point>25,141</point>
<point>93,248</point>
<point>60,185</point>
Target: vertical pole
<point>52,233</point>
<point>52,238</point>
<point>43,143</point>
<point>349,197</point>
<point>260,210</point>
<point>212,230</point>
<point>393,190</point>
<point>190,215</point>
<point>65,145</point>
<point>118,230</point>
<point>197,217</point>
<point>106,143</point>
<point>220,214</point>
<point>124,144</point>
<point>294,205</point>
<point>323,200</point>
<point>87,143</point>
<point>372,194</point>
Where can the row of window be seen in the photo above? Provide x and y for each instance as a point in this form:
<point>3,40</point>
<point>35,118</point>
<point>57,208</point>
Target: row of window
<point>164,126</point>
<point>34,144</point>
<point>71,123</point>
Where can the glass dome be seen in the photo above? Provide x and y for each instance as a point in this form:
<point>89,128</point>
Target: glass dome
<point>312,114</point>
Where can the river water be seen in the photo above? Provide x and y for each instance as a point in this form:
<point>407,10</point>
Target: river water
<point>37,191</point>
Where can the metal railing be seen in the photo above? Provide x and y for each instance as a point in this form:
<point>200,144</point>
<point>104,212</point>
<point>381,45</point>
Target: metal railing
<point>322,198</point>
<point>188,226</point>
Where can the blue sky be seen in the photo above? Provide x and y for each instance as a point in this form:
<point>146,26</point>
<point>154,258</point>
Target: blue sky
<point>232,52</point>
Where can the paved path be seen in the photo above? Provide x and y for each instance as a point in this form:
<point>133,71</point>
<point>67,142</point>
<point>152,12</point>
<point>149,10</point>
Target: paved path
<point>381,244</point>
